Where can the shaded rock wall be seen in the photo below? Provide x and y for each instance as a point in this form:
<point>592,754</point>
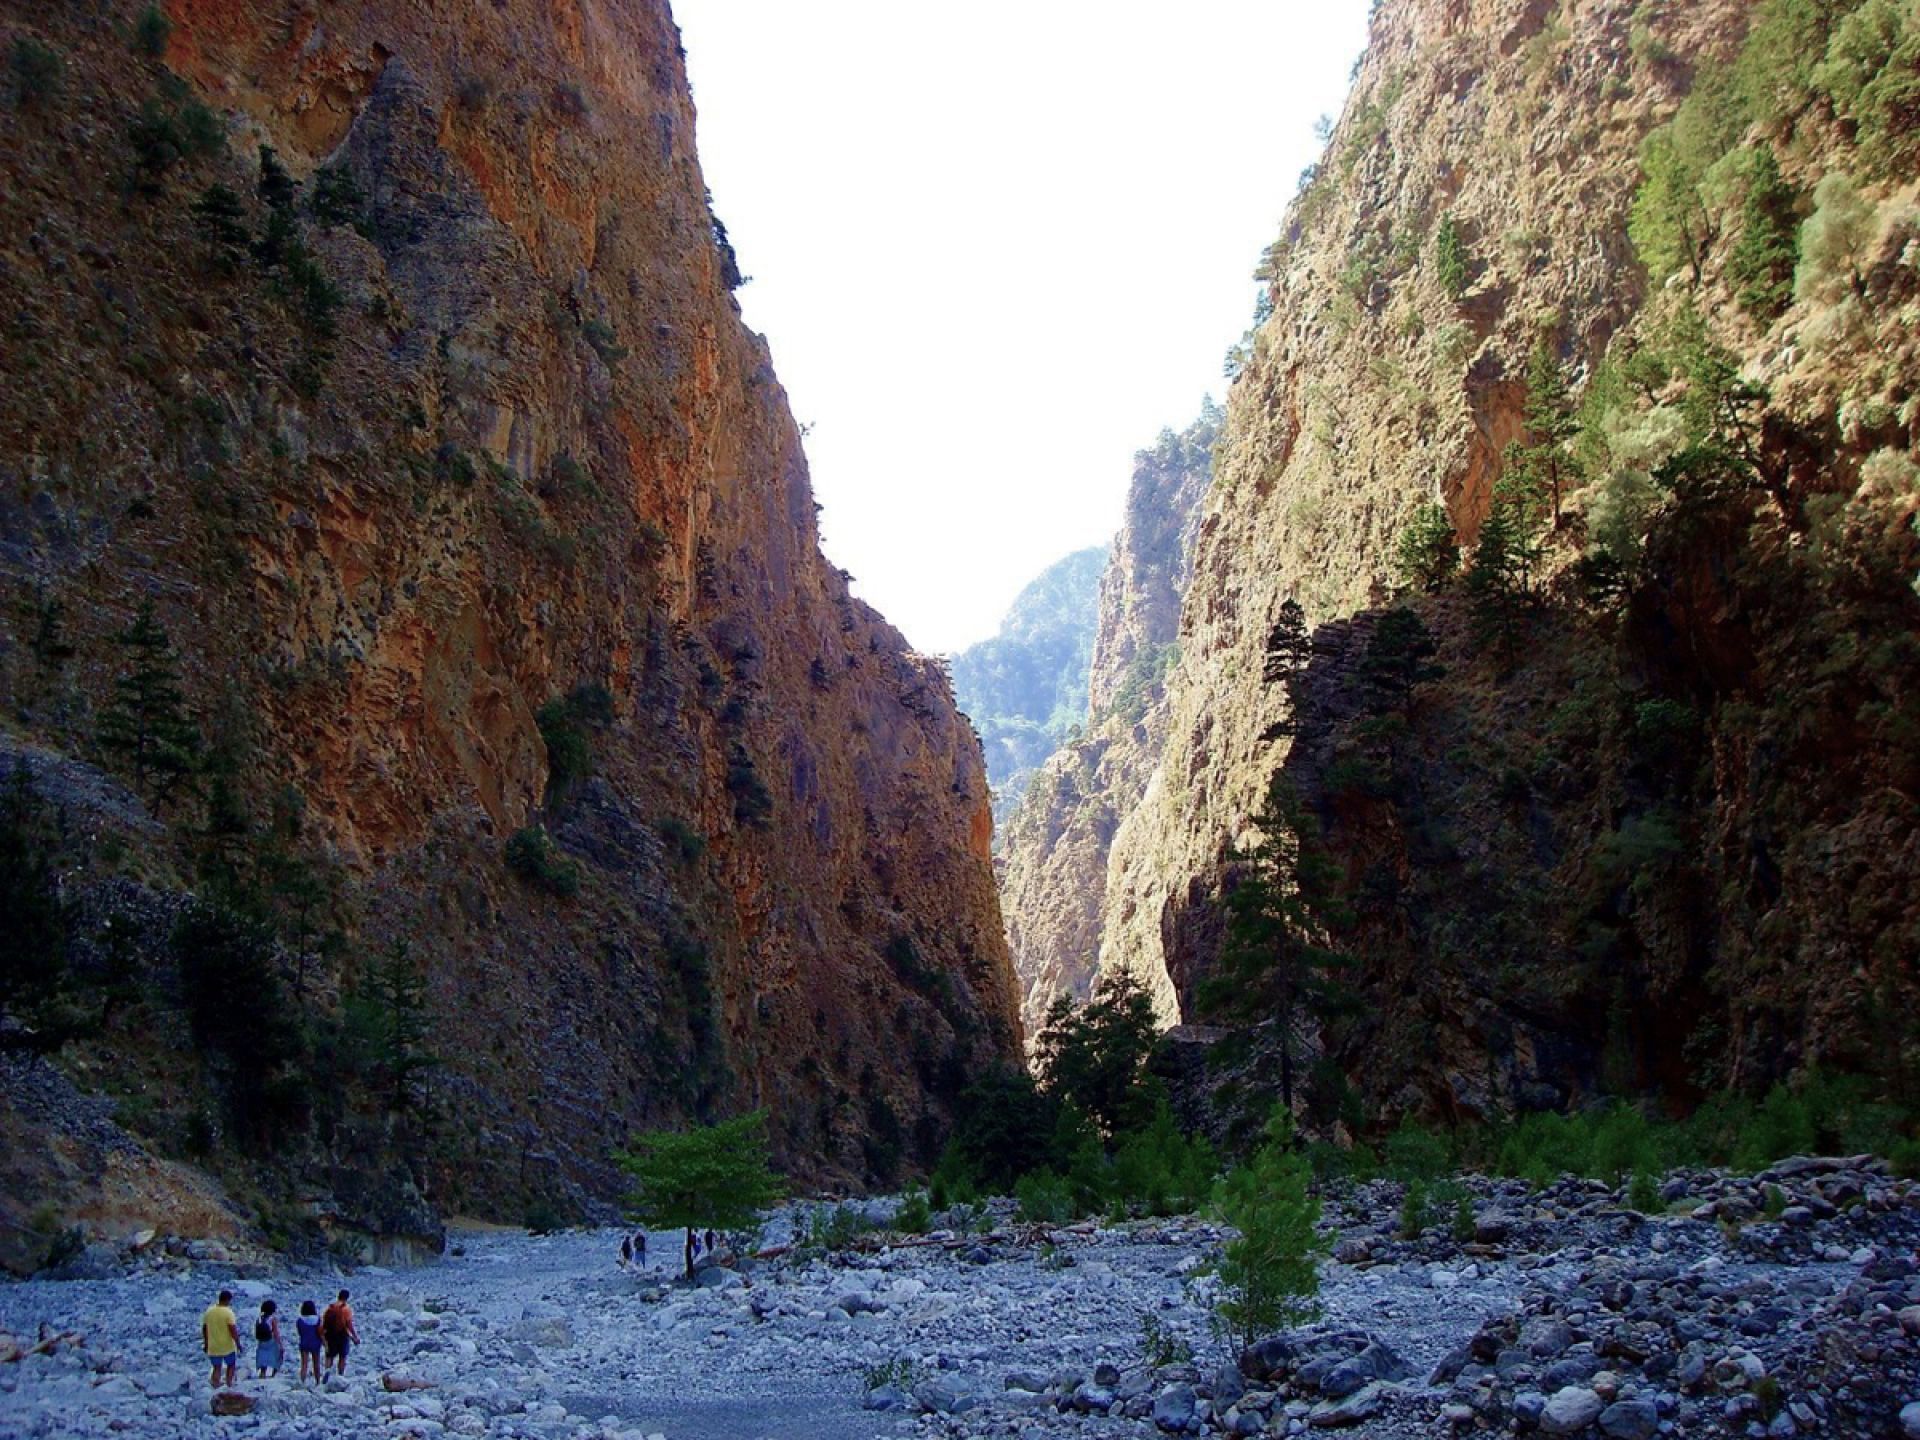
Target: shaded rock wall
<point>539,452</point>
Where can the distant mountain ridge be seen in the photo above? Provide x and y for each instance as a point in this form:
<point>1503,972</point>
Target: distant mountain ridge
<point>1026,687</point>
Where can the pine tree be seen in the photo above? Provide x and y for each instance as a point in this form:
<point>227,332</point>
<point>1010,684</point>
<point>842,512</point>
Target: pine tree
<point>33,939</point>
<point>1552,422</point>
<point>1289,648</point>
<point>1399,657</point>
<point>1427,555</point>
<point>146,723</point>
<point>1096,1055</point>
<point>1496,581</point>
<point>388,1014</point>
<point>223,221</point>
<point>1269,1272</point>
<point>1763,260</point>
<point>1280,962</point>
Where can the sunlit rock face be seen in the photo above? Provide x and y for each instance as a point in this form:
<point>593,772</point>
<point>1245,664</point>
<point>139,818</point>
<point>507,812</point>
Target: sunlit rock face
<point>1055,849</point>
<point>1660,846</point>
<point>538,454</point>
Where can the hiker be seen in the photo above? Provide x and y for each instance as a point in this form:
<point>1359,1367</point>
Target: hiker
<point>710,1244</point>
<point>268,1351</point>
<point>308,1329</point>
<point>626,1253</point>
<point>220,1335</point>
<point>640,1248</point>
<point>337,1329</point>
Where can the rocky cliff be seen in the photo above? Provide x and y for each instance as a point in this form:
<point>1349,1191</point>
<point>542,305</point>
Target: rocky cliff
<point>1649,831</point>
<point>1026,687</point>
<point>480,530</point>
<point>1054,855</point>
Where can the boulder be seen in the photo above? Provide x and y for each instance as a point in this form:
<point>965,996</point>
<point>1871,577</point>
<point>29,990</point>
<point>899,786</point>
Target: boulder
<point>1268,1359</point>
<point>232,1402</point>
<point>1570,1410</point>
<point>1910,1420</point>
<point>1363,1404</point>
<point>1173,1409</point>
<point>1630,1420</point>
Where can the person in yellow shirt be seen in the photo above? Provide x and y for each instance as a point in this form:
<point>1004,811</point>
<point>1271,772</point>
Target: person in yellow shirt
<point>220,1334</point>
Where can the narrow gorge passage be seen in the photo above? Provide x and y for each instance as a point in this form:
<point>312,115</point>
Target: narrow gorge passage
<point>1060,882</point>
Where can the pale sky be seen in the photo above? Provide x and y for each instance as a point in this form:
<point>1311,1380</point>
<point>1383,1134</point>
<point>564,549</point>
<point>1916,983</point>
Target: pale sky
<point>996,246</point>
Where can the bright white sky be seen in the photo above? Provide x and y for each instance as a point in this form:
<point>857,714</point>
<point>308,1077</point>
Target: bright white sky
<point>996,246</point>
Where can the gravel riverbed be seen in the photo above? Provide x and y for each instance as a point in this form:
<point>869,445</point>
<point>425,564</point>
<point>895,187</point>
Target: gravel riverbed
<point>1562,1314</point>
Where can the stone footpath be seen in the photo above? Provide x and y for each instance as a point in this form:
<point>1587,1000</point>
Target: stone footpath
<point>1782,1306</point>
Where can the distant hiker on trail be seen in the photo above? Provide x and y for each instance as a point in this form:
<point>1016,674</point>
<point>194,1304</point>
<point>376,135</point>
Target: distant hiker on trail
<point>626,1253</point>
<point>308,1328</point>
<point>268,1351</point>
<point>640,1248</point>
<point>336,1328</point>
<point>709,1242</point>
<point>220,1335</point>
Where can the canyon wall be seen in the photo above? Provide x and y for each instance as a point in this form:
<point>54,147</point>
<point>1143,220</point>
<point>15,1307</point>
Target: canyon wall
<point>1658,843</point>
<point>1053,863</point>
<point>453,458</point>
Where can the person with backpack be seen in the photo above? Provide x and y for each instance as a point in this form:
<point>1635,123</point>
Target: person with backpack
<point>307,1327</point>
<point>626,1253</point>
<point>220,1337</point>
<point>268,1351</point>
<point>337,1330</point>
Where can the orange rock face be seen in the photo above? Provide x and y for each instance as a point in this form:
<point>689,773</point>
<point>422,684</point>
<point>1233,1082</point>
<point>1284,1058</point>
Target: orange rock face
<point>538,452</point>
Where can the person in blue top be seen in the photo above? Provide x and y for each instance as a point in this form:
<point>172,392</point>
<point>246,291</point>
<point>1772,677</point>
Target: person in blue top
<point>308,1326</point>
<point>268,1351</point>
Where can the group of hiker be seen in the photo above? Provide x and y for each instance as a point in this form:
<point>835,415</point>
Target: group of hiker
<point>633,1248</point>
<point>324,1340</point>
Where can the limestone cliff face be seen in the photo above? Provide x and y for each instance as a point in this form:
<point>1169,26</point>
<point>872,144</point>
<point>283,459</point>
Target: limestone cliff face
<point>1523,916</point>
<point>531,451</point>
<point>1054,855</point>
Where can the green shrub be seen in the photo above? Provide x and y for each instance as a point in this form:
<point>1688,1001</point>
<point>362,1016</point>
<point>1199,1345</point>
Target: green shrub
<point>532,855</point>
<point>37,70</point>
<point>684,843</point>
<point>1414,1152</point>
<point>1773,1202</point>
<point>1270,1272</point>
<point>1413,1210</point>
<point>1834,243</point>
<point>543,1217</point>
<point>915,1215</point>
<point>1044,1198</point>
<point>1161,1345</point>
<point>1643,1194</point>
<point>1159,1171</point>
<point>152,31</point>
<point>171,127</point>
<point>752,801</point>
<point>1452,264</point>
<point>337,199</point>
<point>1463,1226</point>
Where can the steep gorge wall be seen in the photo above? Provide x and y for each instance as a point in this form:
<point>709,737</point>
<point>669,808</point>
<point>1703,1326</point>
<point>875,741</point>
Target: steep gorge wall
<point>1054,855</point>
<point>1524,921</point>
<point>540,453</point>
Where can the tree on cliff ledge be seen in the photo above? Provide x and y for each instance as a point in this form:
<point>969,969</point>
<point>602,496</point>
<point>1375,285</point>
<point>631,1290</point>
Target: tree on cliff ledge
<point>718,1177</point>
<point>1280,962</point>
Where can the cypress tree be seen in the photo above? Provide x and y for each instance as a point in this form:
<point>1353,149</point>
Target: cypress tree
<point>1399,657</point>
<point>1763,260</point>
<point>1427,555</point>
<point>146,724</point>
<point>1280,961</point>
<point>1551,421</point>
